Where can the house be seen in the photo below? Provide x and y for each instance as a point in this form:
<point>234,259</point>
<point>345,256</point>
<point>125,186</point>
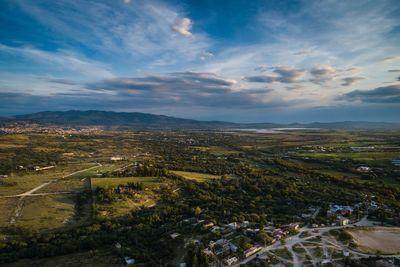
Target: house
<point>208,225</point>
<point>245,224</point>
<point>335,210</point>
<point>116,158</point>
<point>231,261</point>
<point>3,176</point>
<point>233,226</point>
<point>233,247</point>
<point>251,251</point>
<point>175,235</point>
<point>343,221</point>
<point>294,226</point>
<point>263,258</point>
<point>182,264</point>
<point>128,260</point>
<point>125,189</point>
<point>363,169</point>
<point>38,168</point>
<point>215,229</point>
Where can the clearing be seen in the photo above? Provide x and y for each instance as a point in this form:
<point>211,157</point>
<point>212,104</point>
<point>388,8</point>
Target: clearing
<point>385,240</point>
<point>199,177</point>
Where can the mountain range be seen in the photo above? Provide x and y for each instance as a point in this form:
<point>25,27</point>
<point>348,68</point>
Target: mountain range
<point>146,120</point>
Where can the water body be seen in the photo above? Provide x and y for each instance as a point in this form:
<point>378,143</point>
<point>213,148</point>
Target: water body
<point>273,130</point>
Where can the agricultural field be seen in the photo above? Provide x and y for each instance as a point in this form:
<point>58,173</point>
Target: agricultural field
<point>198,177</point>
<point>115,181</point>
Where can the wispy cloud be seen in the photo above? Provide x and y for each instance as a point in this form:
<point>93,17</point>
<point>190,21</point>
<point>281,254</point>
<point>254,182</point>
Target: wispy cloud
<point>62,59</point>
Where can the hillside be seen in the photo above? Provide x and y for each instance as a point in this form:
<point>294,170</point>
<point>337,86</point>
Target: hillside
<point>146,120</point>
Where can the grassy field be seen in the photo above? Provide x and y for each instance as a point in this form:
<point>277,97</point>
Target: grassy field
<point>199,177</point>
<point>216,150</point>
<point>23,182</point>
<point>123,206</point>
<point>384,240</point>
<point>113,182</point>
<point>359,156</point>
<point>93,258</point>
<point>46,212</point>
<point>7,207</point>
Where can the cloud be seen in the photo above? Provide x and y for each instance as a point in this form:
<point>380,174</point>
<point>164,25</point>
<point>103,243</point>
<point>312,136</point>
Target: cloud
<point>184,89</point>
<point>280,74</point>
<point>348,81</point>
<point>393,70</point>
<point>323,73</point>
<point>61,59</point>
<point>205,55</point>
<point>304,52</point>
<point>391,59</point>
<point>127,1</point>
<point>387,94</point>
<point>183,27</point>
<point>140,32</point>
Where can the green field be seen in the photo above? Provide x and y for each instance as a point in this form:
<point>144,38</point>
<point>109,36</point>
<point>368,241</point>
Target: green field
<point>93,258</point>
<point>217,150</point>
<point>46,212</point>
<point>113,182</point>
<point>359,156</point>
<point>199,177</point>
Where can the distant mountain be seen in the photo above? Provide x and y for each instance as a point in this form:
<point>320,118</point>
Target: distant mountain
<point>114,119</point>
<point>146,120</point>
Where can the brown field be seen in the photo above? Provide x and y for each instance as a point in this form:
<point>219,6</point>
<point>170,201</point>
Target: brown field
<point>385,240</point>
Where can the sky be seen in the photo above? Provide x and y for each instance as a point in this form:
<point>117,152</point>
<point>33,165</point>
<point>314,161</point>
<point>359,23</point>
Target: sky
<point>241,61</point>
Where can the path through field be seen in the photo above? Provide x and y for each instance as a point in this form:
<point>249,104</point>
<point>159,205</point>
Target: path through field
<point>31,192</point>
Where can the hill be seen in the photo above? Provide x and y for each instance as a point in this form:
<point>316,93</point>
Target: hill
<point>146,120</point>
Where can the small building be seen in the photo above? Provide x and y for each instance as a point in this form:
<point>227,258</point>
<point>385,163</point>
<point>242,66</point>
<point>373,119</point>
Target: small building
<point>233,225</point>
<point>251,251</point>
<point>263,258</point>
<point>294,226</point>
<point>128,260</point>
<point>231,261</point>
<point>343,221</point>
<point>233,248</point>
<point>38,168</point>
<point>3,175</point>
<point>363,169</point>
<point>182,264</point>
<point>208,225</point>
<point>175,235</point>
<point>116,158</point>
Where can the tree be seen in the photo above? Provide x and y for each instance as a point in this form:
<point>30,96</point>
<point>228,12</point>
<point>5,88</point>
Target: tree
<point>197,211</point>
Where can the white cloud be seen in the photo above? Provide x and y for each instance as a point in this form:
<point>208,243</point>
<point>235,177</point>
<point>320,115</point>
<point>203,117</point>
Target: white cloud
<point>391,59</point>
<point>183,27</point>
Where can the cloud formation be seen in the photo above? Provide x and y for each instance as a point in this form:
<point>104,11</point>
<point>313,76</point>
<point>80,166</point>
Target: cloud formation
<point>348,81</point>
<point>183,27</point>
<point>280,74</point>
<point>183,89</point>
<point>386,94</point>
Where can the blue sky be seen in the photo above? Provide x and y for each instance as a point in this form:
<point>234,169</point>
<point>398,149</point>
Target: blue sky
<point>247,61</point>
